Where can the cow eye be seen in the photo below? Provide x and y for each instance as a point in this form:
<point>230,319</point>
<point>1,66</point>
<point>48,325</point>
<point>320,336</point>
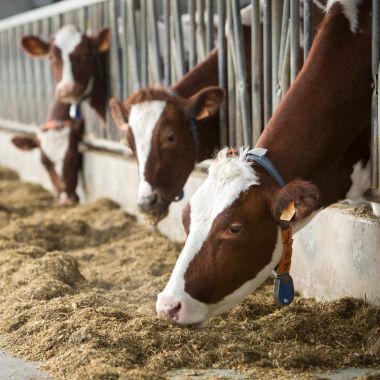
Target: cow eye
<point>171,136</point>
<point>235,228</point>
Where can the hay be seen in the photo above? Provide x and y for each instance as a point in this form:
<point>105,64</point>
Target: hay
<point>77,292</point>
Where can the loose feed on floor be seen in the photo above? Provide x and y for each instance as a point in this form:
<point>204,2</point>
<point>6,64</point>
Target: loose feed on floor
<point>77,292</point>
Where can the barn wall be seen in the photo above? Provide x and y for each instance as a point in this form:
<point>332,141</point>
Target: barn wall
<point>336,255</point>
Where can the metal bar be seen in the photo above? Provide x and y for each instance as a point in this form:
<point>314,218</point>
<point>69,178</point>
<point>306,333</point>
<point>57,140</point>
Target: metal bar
<point>285,69</point>
<point>375,145</point>
<point>209,25</point>
<point>294,38</point>
<point>143,44</point>
<point>257,122</point>
<point>267,61</point>
<point>179,38</point>
<point>242,73</point>
<point>307,27</point>
<point>201,29</point>
<point>135,64</point>
<point>222,71</point>
<point>167,52</point>
<point>276,35</point>
<point>157,67</point>
<point>192,38</point>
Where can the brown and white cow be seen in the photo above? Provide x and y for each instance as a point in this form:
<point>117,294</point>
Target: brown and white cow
<point>79,67</point>
<point>318,139</point>
<point>169,130</point>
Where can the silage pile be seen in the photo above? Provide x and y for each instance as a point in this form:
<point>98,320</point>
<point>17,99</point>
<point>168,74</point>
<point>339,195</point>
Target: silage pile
<point>77,291</point>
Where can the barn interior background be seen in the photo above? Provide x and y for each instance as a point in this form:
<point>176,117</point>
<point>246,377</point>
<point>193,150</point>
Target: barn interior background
<point>156,43</point>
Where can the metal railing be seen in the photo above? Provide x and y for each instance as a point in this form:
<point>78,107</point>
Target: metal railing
<point>157,42</point>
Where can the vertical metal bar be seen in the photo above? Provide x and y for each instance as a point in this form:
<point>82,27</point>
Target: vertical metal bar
<point>307,27</point>
<point>257,121</point>
<point>167,53</point>
<point>285,69</point>
<point>192,38</point>
<point>209,25</point>
<point>222,72</point>
<point>242,73</point>
<point>133,46</point>
<point>201,29</point>
<point>294,38</point>
<point>276,31</point>
<point>157,68</point>
<point>375,145</point>
<point>179,38</point>
<point>267,61</point>
<point>144,43</point>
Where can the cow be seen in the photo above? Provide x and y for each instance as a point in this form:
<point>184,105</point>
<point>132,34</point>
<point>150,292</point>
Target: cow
<point>78,63</point>
<point>318,143</point>
<point>169,130</point>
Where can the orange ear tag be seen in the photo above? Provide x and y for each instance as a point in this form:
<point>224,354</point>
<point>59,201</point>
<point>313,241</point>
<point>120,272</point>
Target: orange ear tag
<point>288,213</point>
<point>203,114</point>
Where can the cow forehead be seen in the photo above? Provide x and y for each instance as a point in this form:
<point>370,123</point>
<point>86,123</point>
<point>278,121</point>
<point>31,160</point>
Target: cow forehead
<point>142,120</point>
<point>227,179</point>
<point>67,39</point>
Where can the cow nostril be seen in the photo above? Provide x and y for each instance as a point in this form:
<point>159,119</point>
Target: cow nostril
<point>174,311</point>
<point>153,199</point>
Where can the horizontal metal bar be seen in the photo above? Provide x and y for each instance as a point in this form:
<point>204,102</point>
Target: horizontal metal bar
<point>46,11</point>
<point>13,126</point>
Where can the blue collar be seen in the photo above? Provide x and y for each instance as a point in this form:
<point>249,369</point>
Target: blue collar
<point>259,155</point>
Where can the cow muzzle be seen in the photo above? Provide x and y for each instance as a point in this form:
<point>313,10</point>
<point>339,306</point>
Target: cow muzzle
<point>182,310</point>
<point>69,92</point>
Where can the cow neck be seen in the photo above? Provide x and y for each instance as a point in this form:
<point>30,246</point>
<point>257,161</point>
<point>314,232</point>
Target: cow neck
<point>323,114</point>
<point>99,93</point>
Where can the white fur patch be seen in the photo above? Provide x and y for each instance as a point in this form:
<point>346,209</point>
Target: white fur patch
<point>350,10</point>
<point>67,39</point>
<point>143,119</point>
<point>55,143</point>
<point>361,181</point>
<point>227,179</point>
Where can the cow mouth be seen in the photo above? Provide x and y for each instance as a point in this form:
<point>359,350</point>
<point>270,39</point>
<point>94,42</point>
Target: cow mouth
<point>154,214</point>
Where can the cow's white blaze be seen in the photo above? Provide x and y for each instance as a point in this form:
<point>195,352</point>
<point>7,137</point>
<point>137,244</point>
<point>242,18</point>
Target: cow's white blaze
<point>142,120</point>
<point>55,143</point>
<point>67,39</point>
<point>350,10</point>
<point>227,179</point>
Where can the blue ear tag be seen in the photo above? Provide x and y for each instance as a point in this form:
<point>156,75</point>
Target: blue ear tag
<point>75,111</point>
<point>283,290</point>
<point>179,196</point>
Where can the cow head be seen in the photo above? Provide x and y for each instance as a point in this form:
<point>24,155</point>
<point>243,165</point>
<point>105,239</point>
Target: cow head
<point>233,238</point>
<point>59,155</point>
<point>158,130</point>
<point>72,56</point>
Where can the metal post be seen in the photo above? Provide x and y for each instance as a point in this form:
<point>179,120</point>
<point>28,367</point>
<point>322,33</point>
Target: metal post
<point>192,40</point>
<point>257,121</point>
<point>167,65</point>
<point>179,39</point>
<point>201,29</point>
<point>276,31</point>
<point>374,193</point>
<point>294,38</point>
<point>222,72</point>
<point>210,25</point>
<point>157,68</point>
<point>134,49</point>
<point>307,27</point>
<point>267,61</point>
<point>242,73</point>
<point>284,36</point>
<point>144,43</point>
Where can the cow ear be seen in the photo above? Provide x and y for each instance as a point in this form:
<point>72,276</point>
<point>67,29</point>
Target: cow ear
<point>34,46</point>
<point>102,40</point>
<point>205,103</point>
<point>295,201</point>
<point>119,113</point>
<point>26,142</point>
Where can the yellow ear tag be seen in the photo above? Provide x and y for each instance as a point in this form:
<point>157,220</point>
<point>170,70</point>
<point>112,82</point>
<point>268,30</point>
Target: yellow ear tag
<point>288,213</point>
<point>203,114</point>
